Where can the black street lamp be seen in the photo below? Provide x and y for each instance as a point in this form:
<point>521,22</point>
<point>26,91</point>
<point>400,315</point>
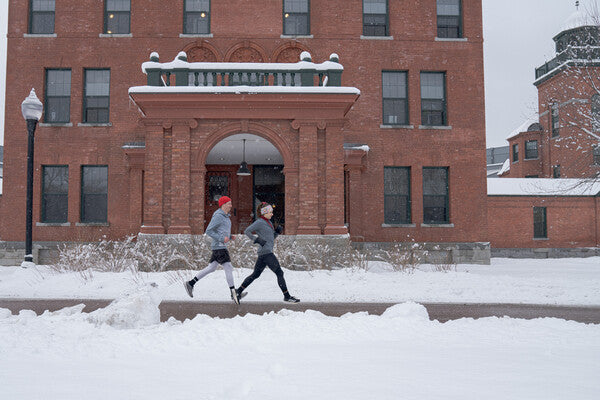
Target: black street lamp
<point>32,112</point>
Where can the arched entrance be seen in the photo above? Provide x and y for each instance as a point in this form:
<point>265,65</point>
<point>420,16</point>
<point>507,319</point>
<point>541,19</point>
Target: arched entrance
<point>266,181</point>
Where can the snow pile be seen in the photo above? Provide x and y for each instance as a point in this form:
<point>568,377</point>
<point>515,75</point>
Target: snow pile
<point>297,355</point>
<point>133,310</point>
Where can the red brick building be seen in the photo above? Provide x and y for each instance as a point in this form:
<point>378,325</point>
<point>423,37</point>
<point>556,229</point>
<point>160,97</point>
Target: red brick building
<point>387,150</point>
<point>563,140</point>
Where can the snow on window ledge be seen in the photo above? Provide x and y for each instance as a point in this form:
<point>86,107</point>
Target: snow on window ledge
<point>94,124</point>
<point>56,124</point>
<point>363,37</point>
<point>437,225</point>
<point>438,39</point>
<point>440,127</point>
<point>92,224</point>
<point>195,35</point>
<point>398,225</point>
<point>52,224</point>
<point>38,35</point>
<point>297,36</point>
<point>383,126</point>
<point>116,35</point>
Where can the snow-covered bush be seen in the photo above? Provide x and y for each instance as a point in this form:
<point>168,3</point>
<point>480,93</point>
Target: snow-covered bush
<point>317,255</point>
<point>405,257</point>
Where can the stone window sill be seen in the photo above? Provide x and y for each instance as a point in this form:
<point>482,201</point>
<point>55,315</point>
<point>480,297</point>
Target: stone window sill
<point>437,225</point>
<point>92,224</point>
<point>363,37</point>
<point>438,39</point>
<point>532,159</point>
<point>398,225</point>
<point>38,35</point>
<point>297,37</point>
<point>57,124</point>
<point>115,35</point>
<point>438,127</point>
<point>52,224</point>
<point>195,35</point>
<point>541,239</point>
<point>385,126</point>
<point>90,124</point>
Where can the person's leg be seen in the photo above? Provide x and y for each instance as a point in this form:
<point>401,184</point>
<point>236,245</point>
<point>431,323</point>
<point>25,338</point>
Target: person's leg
<point>228,268</point>
<point>189,285</point>
<point>274,266</point>
<point>259,267</point>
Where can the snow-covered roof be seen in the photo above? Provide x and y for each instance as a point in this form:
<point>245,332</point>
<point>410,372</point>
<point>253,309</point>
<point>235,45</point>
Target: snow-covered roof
<point>505,167</point>
<point>542,187</point>
<point>576,20</point>
<point>523,127</point>
<point>244,89</point>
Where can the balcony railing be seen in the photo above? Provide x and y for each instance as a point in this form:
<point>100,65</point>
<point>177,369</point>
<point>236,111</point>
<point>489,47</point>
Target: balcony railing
<point>571,53</point>
<point>180,72</point>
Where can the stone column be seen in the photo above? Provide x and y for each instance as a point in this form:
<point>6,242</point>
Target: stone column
<point>153,181</point>
<point>334,173</point>
<point>180,179</point>
<point>308,212</point>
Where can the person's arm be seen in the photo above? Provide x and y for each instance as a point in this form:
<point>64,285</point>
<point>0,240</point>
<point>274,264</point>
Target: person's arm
<point>212,229</point>
<point>255,239</point>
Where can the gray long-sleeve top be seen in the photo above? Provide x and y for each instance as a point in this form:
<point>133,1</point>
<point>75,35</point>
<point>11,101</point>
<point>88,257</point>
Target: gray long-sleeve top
<point>218,229</point>
<point>265,231</point>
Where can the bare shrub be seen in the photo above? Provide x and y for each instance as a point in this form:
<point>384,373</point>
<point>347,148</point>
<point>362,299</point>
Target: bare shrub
<point>404,257</point>
<point>310,256</point>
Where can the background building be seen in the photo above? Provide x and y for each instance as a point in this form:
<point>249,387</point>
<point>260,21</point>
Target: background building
<point>398,163</point>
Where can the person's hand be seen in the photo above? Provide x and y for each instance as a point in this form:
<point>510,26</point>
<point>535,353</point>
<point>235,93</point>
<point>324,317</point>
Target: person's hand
<point>260,241</point>
<point>279,229</point>
<point>226,239</point>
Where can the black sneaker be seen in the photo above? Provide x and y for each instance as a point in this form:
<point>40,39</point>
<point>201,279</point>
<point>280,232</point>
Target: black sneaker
<point>241,294</point>
<point>234,296</point>
<point>291,299</point>
<point>189,288</point>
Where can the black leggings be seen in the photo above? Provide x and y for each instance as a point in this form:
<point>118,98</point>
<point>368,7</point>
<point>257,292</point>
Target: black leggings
<point>266,260</point>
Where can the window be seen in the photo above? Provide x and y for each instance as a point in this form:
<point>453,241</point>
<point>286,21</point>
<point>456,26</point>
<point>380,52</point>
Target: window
<point>556,171</point>
<point>596,154</point>
<point>94,193</point>
<point>117,15</point>
<point>96,96</point>
<point>196,17</point>
<point>435,195</point>
<point>515,151</point>
<point>596,112</point>
<point>539,223</point>
<point>296,19</point>
<point>58,96</point>
<point>433,98</point>
<point>554,120</point>
<point>531,149</point>
<point>395,98</point>
<point>396,193</point>
<point>449,23</point>
<point>41,17</point>
<point>55,190</point>
<point>375,18</point>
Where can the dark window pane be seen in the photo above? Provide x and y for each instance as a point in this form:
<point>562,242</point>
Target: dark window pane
<point>394,93</point>
<point>94,193</point>
<point>55,188</point>
<point>42,17</point>
<point>58,96</point>
<point>296,17</point>
<point>117,17</point>
<point>515,151</point>
<point>433,98</point>
<point>531,149</point>
<point>435,195</point>
<point>375,6</point>
<point>195,23</point>
<point>295,6</point>
<point>97,88</point>
<point>396,183</point>
<point>449,19</point>
<point>539,222</point>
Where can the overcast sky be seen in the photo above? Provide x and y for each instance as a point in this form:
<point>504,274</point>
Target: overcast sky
<point>518,38</point>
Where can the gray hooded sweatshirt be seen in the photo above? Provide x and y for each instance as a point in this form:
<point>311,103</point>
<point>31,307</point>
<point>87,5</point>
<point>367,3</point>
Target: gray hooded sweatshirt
<point>265,231</point>
<point>218,229</point>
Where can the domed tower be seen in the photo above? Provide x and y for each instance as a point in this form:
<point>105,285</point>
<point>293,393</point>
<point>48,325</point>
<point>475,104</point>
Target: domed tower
<point>566,141</point>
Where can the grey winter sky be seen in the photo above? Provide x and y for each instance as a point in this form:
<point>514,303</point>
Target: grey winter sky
<point>518,38</point>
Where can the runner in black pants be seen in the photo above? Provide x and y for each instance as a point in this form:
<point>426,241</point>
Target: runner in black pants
<point>265,239</point>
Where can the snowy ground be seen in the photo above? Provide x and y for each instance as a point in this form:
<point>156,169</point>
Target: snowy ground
<point>124,352</point>
<point>569,281</point>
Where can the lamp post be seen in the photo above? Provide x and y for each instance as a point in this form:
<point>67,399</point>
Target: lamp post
<point>32,112</point>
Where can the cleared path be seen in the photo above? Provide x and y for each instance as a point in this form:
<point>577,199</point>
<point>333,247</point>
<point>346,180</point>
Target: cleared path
<point>437,311</point>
